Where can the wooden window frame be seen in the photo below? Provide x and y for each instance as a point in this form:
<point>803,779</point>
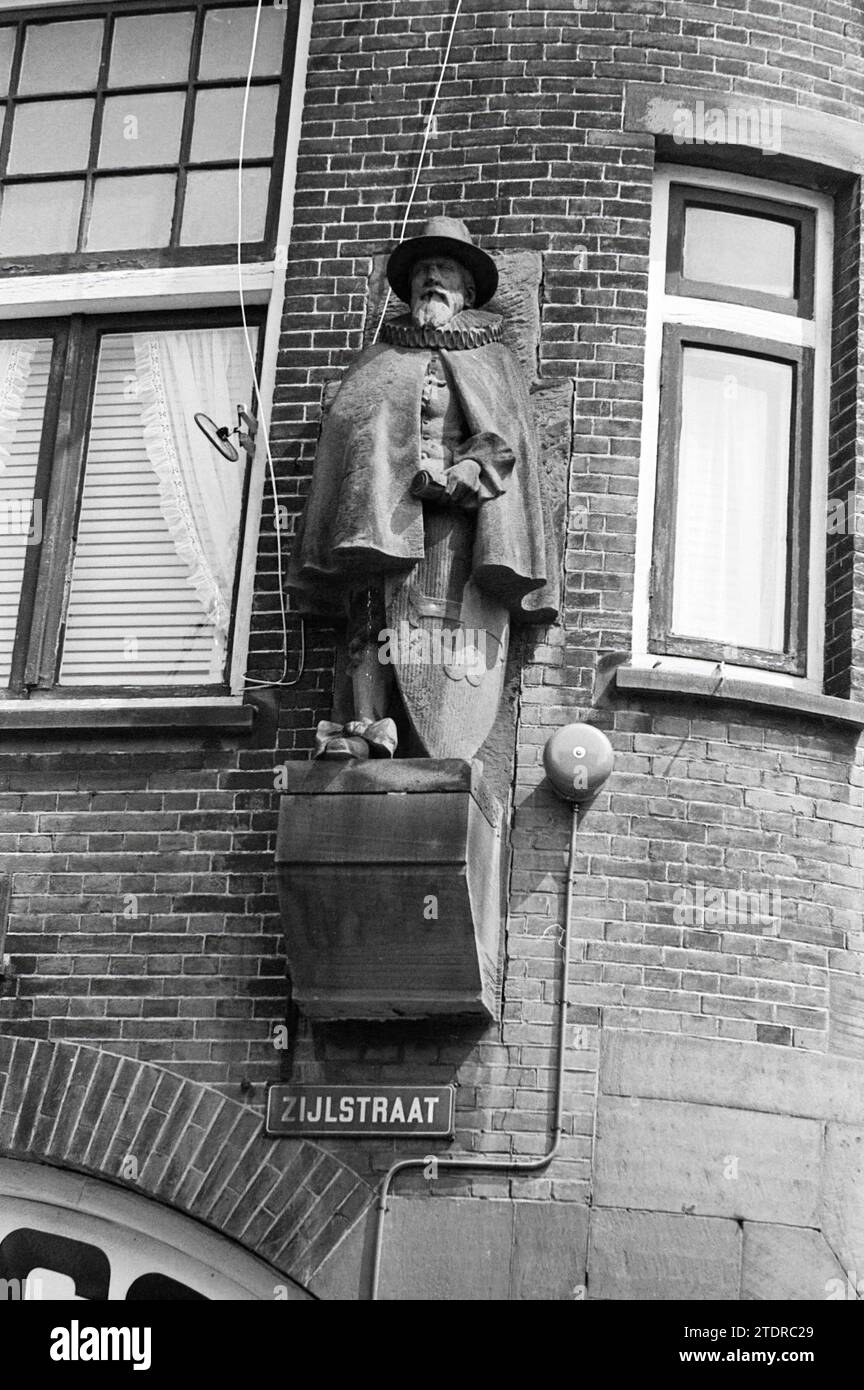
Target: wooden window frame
<point>46,583</point>
<point>793,660</point>
<point>174,254</point>
<point>684,195</point>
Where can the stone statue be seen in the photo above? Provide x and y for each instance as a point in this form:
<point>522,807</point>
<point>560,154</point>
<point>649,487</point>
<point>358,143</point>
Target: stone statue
<point>423,528</point>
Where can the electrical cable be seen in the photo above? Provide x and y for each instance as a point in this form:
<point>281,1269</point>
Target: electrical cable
<point>462,1162</point>
<point>427,132</point>
<point>263,423</point>
<point>264,426</point>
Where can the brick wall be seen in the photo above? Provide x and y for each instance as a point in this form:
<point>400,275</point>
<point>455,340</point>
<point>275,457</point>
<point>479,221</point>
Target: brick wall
<point>841,601</point>
<point>142,914</point>
<point>529,147</point>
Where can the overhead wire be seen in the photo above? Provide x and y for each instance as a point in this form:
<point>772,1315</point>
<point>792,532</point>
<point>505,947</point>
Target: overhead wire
<point>430,122</point>
<point>264,429</point>
<point>263,423</point>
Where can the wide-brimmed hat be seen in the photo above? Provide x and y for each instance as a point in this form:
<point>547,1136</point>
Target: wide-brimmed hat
<point>442,236</point>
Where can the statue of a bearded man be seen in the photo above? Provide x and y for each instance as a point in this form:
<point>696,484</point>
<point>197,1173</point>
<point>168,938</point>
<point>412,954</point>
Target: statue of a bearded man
<point>423,528</point>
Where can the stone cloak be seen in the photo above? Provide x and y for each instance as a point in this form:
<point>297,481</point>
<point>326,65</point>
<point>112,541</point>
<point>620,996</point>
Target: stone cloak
<point>361,521</point>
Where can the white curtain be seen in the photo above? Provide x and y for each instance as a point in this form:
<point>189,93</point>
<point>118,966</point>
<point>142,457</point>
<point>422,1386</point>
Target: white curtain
<point>201,493</point>
<point>16,488</point>
<point>731,531</point>
<point>15,359</point>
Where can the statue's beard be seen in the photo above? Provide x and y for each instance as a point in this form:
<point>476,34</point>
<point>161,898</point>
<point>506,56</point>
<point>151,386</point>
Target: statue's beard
<point>436,308</point>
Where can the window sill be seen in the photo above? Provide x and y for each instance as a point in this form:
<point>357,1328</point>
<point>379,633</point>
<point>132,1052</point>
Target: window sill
<point>229,715</point>
<point>729,690</point>
<point>127,290</point>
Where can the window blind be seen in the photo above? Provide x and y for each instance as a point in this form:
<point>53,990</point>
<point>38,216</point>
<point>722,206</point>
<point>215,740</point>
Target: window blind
<point>24,369</point>
<point>137,613</point>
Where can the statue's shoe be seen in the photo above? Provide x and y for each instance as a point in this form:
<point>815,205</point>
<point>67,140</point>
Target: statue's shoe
<point>382,739</point>
<point>380,734</point>
<point>325,731</point>
<point>333,742</point>
<point>361,738</point>
<point>341,749</point>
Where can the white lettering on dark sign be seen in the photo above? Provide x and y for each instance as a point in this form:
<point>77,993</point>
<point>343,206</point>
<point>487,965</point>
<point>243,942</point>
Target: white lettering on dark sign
<point>348,1110</point>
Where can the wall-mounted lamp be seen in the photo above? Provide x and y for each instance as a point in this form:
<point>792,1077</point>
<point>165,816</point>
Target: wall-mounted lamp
<point>220,435</point>
<point>578,759</point>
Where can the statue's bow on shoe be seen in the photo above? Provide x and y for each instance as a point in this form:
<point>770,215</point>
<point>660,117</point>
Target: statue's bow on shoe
<point>360,738</point>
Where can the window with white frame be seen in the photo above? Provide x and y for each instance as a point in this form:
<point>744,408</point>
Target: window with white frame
<point>121,528</point>
<point>735,426</point>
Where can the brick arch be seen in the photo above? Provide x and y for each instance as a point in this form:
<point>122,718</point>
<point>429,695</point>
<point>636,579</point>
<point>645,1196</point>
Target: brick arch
<point>287,1201</point>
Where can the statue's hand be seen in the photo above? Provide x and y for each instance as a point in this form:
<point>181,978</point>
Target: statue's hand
<point>463,483</point>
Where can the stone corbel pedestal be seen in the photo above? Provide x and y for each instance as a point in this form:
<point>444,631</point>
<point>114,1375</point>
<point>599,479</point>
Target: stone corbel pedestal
<point>390,889</point>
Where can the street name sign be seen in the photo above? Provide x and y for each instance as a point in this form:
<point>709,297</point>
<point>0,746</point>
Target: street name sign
<point>357,1111</point>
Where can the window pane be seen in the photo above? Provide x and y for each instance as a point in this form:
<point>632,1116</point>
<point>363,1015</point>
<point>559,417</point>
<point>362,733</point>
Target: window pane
<point>158,535</point>
<point>141,130</point>
<point>218,123</point>
<point>227,44</point>
<point>733,479</point>
<point>7,49</point>
<point>61,57</point>
<point>40,219</point>
<point>131,213</point>
<point>24,366</point>
<point>735,249</point>
<point>150,48</point>
<point>210,215</point>
<point>48,136</point>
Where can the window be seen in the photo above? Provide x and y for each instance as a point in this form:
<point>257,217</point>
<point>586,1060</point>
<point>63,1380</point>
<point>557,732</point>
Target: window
<point>124,535</point>
<point>740,250</point>
<point>100,456</point>
<point>735,438</point>
<point>128,126</point>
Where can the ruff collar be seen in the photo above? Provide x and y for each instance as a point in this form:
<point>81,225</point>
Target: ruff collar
<point>470,329</point>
